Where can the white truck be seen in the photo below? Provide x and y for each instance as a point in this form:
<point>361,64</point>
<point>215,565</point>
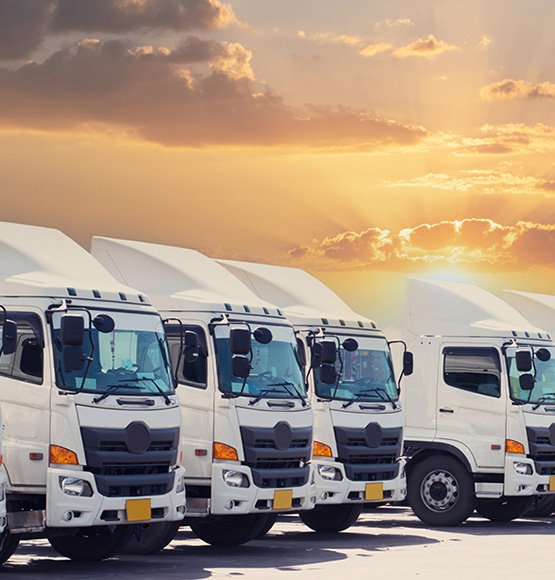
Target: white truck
<point>478,434</point>
<point>358,420</point>
<point>247,424</point>
<point>90,417</point>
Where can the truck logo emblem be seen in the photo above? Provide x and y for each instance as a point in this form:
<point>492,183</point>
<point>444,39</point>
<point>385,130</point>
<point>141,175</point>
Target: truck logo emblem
<point>283,435</point>
<point>137,438</point>
<point>373,435</point>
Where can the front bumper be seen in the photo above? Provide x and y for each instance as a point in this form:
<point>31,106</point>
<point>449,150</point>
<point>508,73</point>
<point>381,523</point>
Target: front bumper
<point>68,511</point>
<point>344,490</point>
<point>227,500</point>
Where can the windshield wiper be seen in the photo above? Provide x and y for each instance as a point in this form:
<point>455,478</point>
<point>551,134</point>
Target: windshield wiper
<point>293,392</point>
<point>262,394</point>
<point>544,399</point>
<point>109,390</point>
<point>160,390</point>
<point>377,390</point>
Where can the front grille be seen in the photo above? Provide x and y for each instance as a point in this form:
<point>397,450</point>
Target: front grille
<point>120,472</point>
<point>369,463</point>
<point>272,465</point>
<point>542,452</point>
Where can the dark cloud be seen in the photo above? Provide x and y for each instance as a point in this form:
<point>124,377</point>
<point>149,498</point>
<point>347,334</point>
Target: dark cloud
<point>147,92</point>
<point>517,89</point>
<point>25,23</point>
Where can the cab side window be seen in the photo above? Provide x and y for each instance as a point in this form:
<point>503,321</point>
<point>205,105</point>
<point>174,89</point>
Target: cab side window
<point>26,363</point>
<point>477,370</point>
<point>191,373</point>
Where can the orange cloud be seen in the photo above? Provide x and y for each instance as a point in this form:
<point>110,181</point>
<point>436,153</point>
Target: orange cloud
<point>330,38</point>
<point>374,49</point>
<point>151,94</point>
<point>511,89</point>
<point>477,242</point>
<point>426,48</point>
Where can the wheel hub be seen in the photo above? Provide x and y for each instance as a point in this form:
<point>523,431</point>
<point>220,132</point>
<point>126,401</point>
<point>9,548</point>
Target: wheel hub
<point>440,490</point>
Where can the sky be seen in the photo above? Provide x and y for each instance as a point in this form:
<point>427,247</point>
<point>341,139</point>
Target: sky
<point>363,141</point>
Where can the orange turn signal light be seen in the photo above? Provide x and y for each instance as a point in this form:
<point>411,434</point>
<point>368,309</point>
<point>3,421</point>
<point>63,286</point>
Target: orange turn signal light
<point>321,449</point>
<point>223,451</point>
<point>513,446</point>
<point>62,455</point>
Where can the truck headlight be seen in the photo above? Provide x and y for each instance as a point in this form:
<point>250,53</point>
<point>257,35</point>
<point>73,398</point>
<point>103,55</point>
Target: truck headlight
<point>523,468</point>
<point>330,473</point>
<point>2,492</point>
<point>235,478</point>
<point>180,486</point>
<point>75,487</point>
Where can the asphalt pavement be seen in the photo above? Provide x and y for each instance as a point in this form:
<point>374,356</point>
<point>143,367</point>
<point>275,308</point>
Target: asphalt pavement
<point>386,543</point>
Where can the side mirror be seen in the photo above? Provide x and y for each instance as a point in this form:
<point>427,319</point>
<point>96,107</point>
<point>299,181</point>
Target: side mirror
<point>350,344</point>
<point>74,358</point>
<point>301,351</point>
<point>104,323</point>
<point>526,382</point>
<point>523,361</point>
<point>329,352</point>
<point>543,354</point>
<point>408,363</point>
<point>240,366</point>
<point>9,337</point>
<point>263,335</point>
<point>73,330</point>
<point>191,349</point>
<point>328,374</point>
<point>240,341</point>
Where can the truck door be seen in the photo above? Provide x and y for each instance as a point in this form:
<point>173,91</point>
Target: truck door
<point>25,402</point>
<point>196,396</point>
<point>471,402</point>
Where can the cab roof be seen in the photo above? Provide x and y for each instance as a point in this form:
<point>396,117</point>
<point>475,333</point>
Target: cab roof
<point>39,261</point>
<point>178,278</point>
<point>438,308</point>
<point>538,309</point>
<point>302,298</point>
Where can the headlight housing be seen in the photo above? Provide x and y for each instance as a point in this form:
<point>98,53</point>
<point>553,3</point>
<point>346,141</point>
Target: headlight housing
<point>75,487</point>
<point>330,473</point>
<point>522,468</point>
<point>180,485</point>
<point>235,478</point>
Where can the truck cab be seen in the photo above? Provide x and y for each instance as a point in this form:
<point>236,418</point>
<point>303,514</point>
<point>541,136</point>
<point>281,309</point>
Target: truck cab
<point>90,417</point>
<point>247,423</point>
<point>358,420</point>
<point>475,436</point>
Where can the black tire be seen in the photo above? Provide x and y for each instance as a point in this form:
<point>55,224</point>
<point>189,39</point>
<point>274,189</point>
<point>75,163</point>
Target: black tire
<point>542,506</point>
<point>331,518</point>
<point>230,530</point>
<point>441,491</point>
<point>503,509</point>
<point>270,521</point>
<point>92,544</point>
<point>8,545</point>
<point>153,537</point>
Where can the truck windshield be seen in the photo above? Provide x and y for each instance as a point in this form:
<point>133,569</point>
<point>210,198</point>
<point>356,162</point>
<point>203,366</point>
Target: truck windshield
<point>367,373</point>
<point>276,367</point>
<point>130,360</point>
<point>544,375</point>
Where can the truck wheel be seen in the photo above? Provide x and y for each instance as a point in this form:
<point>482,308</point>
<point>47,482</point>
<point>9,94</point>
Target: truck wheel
<point>270,521</point>
<point>331,518</point>
<point>152,538</point>
<point>503,509</point>
<point>542,506</point>
<point>440,491</point>
<point>230,530</point>
<point>8,545</point>
<point>92,544</point>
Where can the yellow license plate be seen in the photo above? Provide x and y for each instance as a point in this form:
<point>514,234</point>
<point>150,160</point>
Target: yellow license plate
<point>374,491</point>
<point>552,483</point>
<point>138,509</point>
<point>283,499</point>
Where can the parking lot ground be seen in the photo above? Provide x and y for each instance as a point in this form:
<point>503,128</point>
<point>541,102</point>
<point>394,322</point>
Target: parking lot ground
<point>389,542</point>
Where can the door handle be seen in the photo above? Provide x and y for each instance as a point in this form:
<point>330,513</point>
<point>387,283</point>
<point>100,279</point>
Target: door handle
<point>446,410</point>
